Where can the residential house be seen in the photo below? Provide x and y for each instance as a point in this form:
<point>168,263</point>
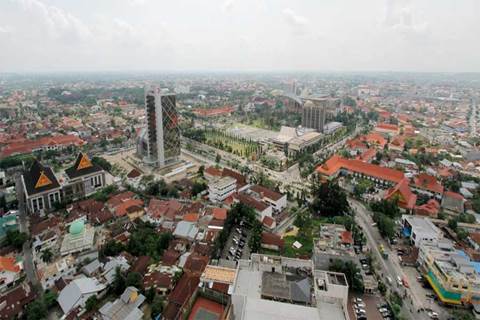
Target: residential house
<point>277,200</point>
<point>453,202</point>
<point>126,307</point>
<point>77,292</point>
<point>272,241</point>
<point>10,272</point>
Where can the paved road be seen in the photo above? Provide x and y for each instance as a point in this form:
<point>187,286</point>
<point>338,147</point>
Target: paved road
<point>390,267</point>
<point>28,265</point>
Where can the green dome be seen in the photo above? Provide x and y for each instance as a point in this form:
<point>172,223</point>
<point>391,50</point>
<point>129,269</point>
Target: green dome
<point>77,227</point>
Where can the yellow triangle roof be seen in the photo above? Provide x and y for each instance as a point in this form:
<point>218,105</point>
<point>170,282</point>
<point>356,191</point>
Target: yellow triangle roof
<point>43,180</point>
<point>84,163</point>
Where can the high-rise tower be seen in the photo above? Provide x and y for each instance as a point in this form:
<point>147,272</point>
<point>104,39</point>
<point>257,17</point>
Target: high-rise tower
<point>162,134</point>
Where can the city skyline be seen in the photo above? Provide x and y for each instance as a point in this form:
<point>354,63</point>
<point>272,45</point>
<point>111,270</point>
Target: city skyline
<point>136,35</point>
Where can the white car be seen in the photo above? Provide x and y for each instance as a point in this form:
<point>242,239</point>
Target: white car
<point>360,311</point>
<point>360,305</point>
<point>433,315</point>
<point>382,310</point>
<point>357,300</point>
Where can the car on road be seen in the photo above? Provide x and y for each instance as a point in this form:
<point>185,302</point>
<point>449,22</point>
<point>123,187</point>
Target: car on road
<point>382,310</point>
<point>433,315</point>
<point>357,300</point>
<point>360,305</point>
<point>399,281</point>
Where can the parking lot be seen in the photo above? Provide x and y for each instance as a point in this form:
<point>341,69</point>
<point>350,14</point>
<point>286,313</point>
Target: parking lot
<point>237,244</point>
<point>369,304</point>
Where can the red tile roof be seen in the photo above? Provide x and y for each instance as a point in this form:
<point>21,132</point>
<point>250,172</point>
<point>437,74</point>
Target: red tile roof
<point>213,171</point>
<point>28,146</point>
<point>219,213</point>
<point>214,111</point>
<point>387,127</point>
<point>272,239</point>
<point>267,193</point>
<point>346,237</point>
<point>428,182</point>
<point>336,163</point>
<point>128,206</point>
<point>164,208</point>
<point>429,209</point>
<point>9,264</point>
<point>268,221</point>
<point>453,195</point>
<point>406,198</point>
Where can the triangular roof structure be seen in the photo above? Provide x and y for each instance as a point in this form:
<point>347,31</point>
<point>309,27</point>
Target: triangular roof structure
<point>82,166</point>
<point>406,198</point>
<point>39,179</point>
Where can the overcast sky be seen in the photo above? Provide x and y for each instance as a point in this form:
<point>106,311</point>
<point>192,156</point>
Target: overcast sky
<point>312,35</point>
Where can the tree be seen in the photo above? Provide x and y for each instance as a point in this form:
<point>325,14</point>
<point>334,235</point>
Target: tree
<point>462,234</point>
<point>329,200</point>
<point>452,224</point>
<point>112,248</point>
<point>387,207</point>
<point>50,299</point>
<point>91,303</point>
<point>37,310</point>
<point>157,306</point>
<point>385,224</point>
<point>201,170</point>
<point>134,279</point>
<point>16,239</point>
<point>118,284</point>
<point>47,256</point>
<point>198,187</point>
<point>102,163</point>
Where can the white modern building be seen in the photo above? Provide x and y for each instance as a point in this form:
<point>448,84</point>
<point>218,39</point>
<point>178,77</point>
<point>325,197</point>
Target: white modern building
<point>160,143</point>
<point>420,230</point>
<point>221,189</point>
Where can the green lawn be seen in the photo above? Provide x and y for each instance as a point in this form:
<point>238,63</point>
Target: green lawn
<point>304,251</point>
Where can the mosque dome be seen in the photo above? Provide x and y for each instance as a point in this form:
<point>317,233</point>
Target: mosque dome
<point>77,227</point>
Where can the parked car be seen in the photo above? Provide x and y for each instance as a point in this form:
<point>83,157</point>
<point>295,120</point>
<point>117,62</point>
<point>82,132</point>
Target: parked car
<point>433,315</point>
<point>357,300</point>
<point>360,305</point>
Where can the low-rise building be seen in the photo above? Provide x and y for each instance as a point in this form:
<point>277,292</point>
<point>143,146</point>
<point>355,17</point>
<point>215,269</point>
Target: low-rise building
<point>420,230</point>
<point>77,292</point>
<point>379,175</point>
<point>272,287</point>
<point>277,200</point>
<point>80,237</point>
<point>221,189</point>
<point>10,272</point>
<point>333,242</point>
<point>454,278</point>
<point>62,268</point>
<point>125,307</point>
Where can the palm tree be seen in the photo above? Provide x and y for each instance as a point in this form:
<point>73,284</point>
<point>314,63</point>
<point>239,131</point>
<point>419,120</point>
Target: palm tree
<point>47,256</point>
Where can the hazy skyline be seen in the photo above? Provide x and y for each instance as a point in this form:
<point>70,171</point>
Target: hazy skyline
<point>244,35</point>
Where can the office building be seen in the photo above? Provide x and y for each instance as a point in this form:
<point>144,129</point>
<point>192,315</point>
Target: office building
<point>314,112</point>
<point>163,133</point>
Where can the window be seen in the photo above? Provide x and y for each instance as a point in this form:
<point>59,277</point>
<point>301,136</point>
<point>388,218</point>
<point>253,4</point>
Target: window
<point>97,181</point>
<point>34,205</point>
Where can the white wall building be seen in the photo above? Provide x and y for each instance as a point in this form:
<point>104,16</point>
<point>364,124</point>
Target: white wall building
<point>221,189</point>
<point>421,230</point>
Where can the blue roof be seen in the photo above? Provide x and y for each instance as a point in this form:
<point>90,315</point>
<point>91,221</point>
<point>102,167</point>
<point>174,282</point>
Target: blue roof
<point>475,265</point>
